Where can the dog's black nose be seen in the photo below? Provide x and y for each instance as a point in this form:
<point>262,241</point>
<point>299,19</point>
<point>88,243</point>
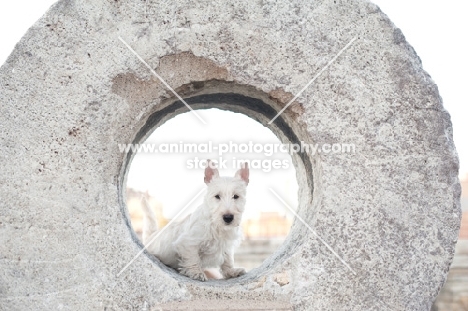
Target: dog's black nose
<point>228,218</point>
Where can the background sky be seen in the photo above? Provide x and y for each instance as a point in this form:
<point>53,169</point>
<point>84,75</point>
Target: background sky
<point>168,178</point>
<point>437,30</point>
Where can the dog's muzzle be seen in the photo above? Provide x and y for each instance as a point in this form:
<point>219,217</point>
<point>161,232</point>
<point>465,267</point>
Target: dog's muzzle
<point>228,218</point>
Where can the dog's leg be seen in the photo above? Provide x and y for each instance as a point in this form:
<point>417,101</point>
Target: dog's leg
<point>227,268</point>
<point>190,262</point>
<point>150,225</point>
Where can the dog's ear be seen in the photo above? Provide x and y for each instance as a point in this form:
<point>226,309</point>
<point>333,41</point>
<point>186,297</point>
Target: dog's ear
<point>243,173</point>
<point>210,172</point>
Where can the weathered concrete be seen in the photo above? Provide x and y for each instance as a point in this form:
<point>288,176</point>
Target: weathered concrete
<point>71,91</point>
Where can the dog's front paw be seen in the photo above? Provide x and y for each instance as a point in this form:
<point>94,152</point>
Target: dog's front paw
<point>233,272</point>
<point>196,274</point>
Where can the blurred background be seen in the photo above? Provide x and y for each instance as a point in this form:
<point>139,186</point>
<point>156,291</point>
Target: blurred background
<point>437,31</point>
<point>169,183</point>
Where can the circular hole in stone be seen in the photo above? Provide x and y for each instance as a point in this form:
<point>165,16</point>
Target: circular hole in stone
<point>249,104</point>
<point>168,170</point>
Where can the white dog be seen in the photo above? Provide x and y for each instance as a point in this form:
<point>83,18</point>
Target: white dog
<point>207,237</point>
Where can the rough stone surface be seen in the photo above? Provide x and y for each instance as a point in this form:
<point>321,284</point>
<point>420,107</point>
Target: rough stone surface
<point>71,91</point>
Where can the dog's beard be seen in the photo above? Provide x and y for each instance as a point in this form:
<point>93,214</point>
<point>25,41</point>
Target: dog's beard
<point>222,226</point>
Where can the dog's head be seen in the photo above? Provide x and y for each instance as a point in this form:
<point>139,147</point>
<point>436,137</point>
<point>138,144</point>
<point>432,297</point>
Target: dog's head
<point>225,196</point>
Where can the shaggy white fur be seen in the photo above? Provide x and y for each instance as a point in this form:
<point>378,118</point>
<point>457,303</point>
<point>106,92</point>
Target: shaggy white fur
<point>207,237</point>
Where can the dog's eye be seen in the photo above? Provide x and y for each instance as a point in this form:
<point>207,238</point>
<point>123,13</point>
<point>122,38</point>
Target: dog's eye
<point>235,197</point>
<point>217,196</point>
